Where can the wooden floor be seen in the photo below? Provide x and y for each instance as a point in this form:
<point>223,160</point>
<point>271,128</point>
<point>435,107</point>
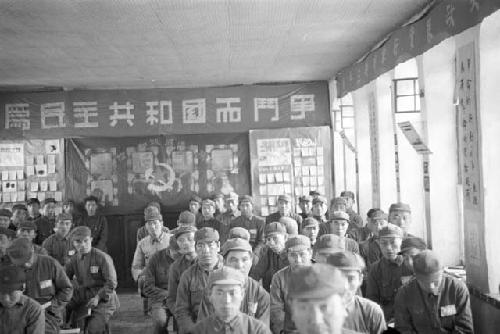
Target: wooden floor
<point>129,318</point>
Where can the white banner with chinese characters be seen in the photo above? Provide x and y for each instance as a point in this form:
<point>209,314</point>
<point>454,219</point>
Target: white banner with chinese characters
<point>146,112</point>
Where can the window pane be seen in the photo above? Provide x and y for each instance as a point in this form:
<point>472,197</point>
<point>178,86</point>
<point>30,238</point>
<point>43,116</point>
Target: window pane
<point>347,111</point>
<point>405,87</point>
<point>417,102</point>
<point>405,103</point>
<point>347,123</point>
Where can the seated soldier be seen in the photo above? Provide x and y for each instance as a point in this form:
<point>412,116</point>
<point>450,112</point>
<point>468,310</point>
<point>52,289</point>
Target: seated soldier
<point>341,204</point>
<point>363,315</point>
<point>156,285</point>
<point>239,232</point>
<point>156,240</point>
<point>410,247</point>
<point>194,280</point>
<point>339,224</point>
<point>310,228</point>
<point>142,231</point>
<point>273,257</point>
<point>46,281</point>
<point>316,299</point>
<point>305,204</point>
<point>19,314</point>
<point>19,214</point>
<point>384,276</point>
<point>327,244</point>
<point>6,238</point>
<point>370,248</point>
<point>5,216</point>
<point>94,298</point>
<point>285,210</point>
<point>238,255</point>
<point>220,207</point>
<point>33,206</point>
<point>319,209</point>
<point>194,207</point>
<point>254,224</point>
<point>432,302</point>
<point>59,245</point>
<point>226,293</point>
<point>400,215</point>
<point>186,218</point>
<point>207,215</point>
<point>231,204</point>
<point>299,253</point>
<point>354,218</point>
<point>27,229</point>
<point>45,224</point>
<point>95,221</point>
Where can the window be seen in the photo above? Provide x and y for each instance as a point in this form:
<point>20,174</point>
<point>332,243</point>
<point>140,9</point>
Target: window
<point>407,96</point>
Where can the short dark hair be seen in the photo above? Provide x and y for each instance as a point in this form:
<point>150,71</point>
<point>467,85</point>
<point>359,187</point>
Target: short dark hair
<point>90,198</point>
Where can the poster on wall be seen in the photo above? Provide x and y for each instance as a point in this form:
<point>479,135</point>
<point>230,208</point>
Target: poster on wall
<point>289,161</point>
<point>11,155</point>
<point>129,172</point>
<point>475,253</point>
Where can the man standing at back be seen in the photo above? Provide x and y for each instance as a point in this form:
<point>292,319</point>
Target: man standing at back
<point>96,222</point>
<point>254,224</point>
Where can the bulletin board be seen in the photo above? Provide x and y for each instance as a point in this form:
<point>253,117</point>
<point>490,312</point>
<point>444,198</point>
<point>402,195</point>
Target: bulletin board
<point>127,173</point>
<point>31,169</point>
<point>290,161</point>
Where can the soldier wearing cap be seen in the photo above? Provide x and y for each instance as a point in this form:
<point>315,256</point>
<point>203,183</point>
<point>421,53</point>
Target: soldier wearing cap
<point>194,280</point>
<point>19,314</point>
<point>96,222</point>
<point>384,276</point>
<point>273,257</point>
<point>400,215</point>
<point>327,244</point>
<point>239,232</point>
<point>340,204</point>
<point>186,218</point>
<point>254,224</point>
<point>33,205</point>
<point>310,228</point>
<point>46,223</point>
<point>284,210</point>
<point>19,214</point>
<point>409,248</point>
<point>354,218</point>
<point>290,224</point>
<point>207,215</point>
<point>219,201</point>
<point>194,204</point>
<point>339,225</point>
<point>27,230</point>
<point>5,216</point>
<point>299,254</point>
<point>95,276</point>
<point>185,239</point>
<point>6,237</point>
<point>305,204</point>
<point>156,240</point>
<point>231,204</point>
<point>319,209</point>
<point>237,254</point>
<point>226,294</point>
<point>316,299</point>
<point>433,302</point>
<point>363,315</point>
<point>142,231</point>
<point>156,285</point>
<point>370,248</point>
<point>59,245</point>
<point>46,281</point>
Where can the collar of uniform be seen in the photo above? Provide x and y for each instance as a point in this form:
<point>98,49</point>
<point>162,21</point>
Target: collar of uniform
<point>233,324</point>
<point>351,305</point>
<point>159,239</point>
<point>59,238</point>
<point>397,262</point>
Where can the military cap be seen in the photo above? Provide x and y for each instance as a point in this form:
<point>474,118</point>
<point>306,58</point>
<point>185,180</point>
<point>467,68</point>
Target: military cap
<point>225,276</point>
<point>391,231</point>
<point>236,244</point>
<point>298,240</point>
<point>7,232</point>
<point>316,281</point>
<point>314,193</point>
<point>330,243</point>
<point>285,198</point>
<point>154,204</point>
<point>339,215</point>
<point>195,198</point>
<point>19,207</point>
<point>12,278</point>
<point>379,215</point>
<point>309,222</point>
<point>245,198</point>
<point>412,242</point>
<point>231,196</point>
<point>49,200</point>
<point>32,201</point>
<point>239,232</point>
<point>346,261</point>
<point>370,212</point>
<point>217,195</point>
<point>347,193</point>
<point>274,227</point>
<point>399,207</point>
<point>81,232</point>
<point>305,198</point>
<point>290,224</point>
<point>152,213</point>
<point>27,225</point>
<point>5,213</point>
<point>426,265</point>
<point>338,201</point>
<point>183,230</point>
<point>90,198</point>
<point>64,216</point>
<point>206,234</point>
<point>320,199</point>
<point>187,217</point>
<point>207,201</point>
<point>20,251</point>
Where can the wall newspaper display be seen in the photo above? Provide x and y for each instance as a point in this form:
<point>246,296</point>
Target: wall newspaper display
<point>289,161</point>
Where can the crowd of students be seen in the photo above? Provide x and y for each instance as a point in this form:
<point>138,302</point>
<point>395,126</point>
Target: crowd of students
<point>223,269</point>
